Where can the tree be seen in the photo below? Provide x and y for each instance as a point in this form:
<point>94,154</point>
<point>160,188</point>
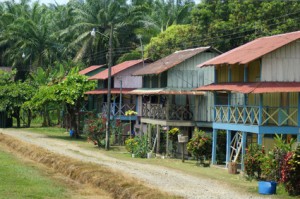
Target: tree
<point>176,37</point>
<point>70,93</point>
<point>14,94</point>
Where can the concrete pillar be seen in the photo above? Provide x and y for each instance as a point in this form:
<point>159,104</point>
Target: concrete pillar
<point>244,141</point>
<point>228,146</point>
<point>214,147</point>
<point>260,139</point>
<point>168,141</point>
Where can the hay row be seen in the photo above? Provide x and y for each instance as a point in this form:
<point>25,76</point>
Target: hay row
<point>115,183</point>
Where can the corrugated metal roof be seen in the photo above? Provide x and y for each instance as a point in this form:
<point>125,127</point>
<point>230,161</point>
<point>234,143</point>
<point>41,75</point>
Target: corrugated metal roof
<point>170,61</point>
<point>253,50</point>
<point>165,91</point>
<point>116,69</point>
<point>258,87</point>
<point>89,69</point>
<point>113,91</point>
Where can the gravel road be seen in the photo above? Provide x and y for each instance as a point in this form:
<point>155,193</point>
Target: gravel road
<point>166,179</point>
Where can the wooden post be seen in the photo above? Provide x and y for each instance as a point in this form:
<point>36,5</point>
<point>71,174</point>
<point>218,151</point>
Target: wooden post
<point>149,135</point>
<point>158,139</point>
<point>168,142</point>
<point>196,114</point>
<point>259,139</point>
<point>182,151</point>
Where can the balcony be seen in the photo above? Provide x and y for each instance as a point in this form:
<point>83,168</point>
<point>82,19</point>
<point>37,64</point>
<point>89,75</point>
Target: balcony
<point>252,115</point>
<point>171,112</point>
<point>117,112</point>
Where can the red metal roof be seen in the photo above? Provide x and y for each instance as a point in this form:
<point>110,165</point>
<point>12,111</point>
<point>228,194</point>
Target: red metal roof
<point>116,69</point>
<point>164,91</point>
<point>170,61</point>
<point>253,50</point>
<point>257,87</point>
<point>89,69</point>
<point>113,91</point>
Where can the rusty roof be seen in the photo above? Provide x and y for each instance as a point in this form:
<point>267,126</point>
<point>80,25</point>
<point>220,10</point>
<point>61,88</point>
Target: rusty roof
<point>113,91</point>
<point>116,69</point>
<point>253,50</point>
<point>170,61</point>
<point>165,91</point>
<point>89,69</point>
<point>255,87</point>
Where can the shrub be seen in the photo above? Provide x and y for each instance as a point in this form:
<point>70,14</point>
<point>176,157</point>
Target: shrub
<point>200,145</point>
<point>137,146</point>
<point>95,129</point>
<point>290,172</point>
<point>252,161</point>
<point>173,136</point>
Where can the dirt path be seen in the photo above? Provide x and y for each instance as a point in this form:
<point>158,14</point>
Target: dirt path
<point>166,179</point>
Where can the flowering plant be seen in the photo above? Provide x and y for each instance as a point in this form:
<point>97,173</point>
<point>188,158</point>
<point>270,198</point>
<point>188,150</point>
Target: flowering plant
<point>253,159</point>
<point>200,145</point>
<point>290,172</point>
<point>95,129</point>
<point>173,136</point>
<point>130,113</point>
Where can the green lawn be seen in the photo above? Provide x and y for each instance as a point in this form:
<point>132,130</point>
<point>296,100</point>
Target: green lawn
<point>19,180</point>
<point>189,166</point>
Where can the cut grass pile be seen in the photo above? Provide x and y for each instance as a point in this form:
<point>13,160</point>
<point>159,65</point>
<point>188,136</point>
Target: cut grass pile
<point>117,184</point>
<point>23,181</point>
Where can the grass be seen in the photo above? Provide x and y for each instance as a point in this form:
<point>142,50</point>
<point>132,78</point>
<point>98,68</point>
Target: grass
<point>19,180</point>
<point>189,166</point>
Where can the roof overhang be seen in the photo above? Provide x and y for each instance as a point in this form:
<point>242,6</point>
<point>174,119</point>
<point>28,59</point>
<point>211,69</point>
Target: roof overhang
<point>165,91</point>
<point>113,91</point>
<point>255,87</point>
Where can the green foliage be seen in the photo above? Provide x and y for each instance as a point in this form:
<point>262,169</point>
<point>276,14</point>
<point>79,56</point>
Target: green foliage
<point>252,161</point>
<point>176,37</point>
<point>200,145</point>
<point>133,55</point>
<point>137,146</point>
<point>95,129</point>
<point>291,172</point>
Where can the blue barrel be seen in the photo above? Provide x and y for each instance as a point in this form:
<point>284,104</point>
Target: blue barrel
<point>267,187</point>
<point>71,133</point>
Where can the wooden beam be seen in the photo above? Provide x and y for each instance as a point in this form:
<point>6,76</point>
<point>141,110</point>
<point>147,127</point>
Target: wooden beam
<point>158,139</point>
<point>214,147</point>
<point>228,146</point>
<point>244,141</point>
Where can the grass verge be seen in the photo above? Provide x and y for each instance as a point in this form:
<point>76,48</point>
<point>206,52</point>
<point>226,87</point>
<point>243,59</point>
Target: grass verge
<point>117,184</point>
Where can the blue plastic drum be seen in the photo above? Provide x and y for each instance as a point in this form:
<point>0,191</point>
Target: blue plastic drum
<point>267,187</point>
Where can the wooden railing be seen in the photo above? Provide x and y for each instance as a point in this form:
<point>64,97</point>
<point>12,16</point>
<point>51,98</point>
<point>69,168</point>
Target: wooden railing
<point>277,116</point>
<point>115,110</point>
<point>172,112</point>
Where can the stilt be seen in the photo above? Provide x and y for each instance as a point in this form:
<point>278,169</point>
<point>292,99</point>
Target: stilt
<point>214,147</point>
<point>228,147</point>
<point>158,139</point>
<point>244,141</point>
<point>259,139</point>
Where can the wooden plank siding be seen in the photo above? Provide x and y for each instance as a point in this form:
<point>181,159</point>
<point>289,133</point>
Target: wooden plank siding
<point>282,64</point>
<point>187,75</point>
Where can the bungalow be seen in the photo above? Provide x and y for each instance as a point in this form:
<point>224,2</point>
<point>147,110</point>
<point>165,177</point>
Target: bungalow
<point>167,98</point>
<point>122,83</point>
<point>257,92</point>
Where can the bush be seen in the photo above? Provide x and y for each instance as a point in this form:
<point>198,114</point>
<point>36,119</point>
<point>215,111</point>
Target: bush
<point>253,159</point>
<point>290,172</point>
<point>173,136</point>
<point>137,146</point>
<point>200,145</point>
<point>95,129</point>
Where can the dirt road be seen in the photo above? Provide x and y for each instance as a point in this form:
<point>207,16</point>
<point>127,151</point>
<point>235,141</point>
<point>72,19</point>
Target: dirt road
<point>166,179</point>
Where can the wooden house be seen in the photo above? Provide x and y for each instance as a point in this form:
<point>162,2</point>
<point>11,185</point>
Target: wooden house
<point>122,82</point>
<point>167,98</point>
<point>256,89</point>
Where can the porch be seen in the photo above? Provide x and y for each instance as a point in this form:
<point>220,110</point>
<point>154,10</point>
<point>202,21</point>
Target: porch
<point>117,112</point>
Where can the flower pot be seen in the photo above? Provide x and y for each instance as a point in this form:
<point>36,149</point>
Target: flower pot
<point>267,187</point>
<point>232,167</point>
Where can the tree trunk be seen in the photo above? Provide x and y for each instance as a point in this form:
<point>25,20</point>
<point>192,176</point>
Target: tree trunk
<point>29,118</point>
